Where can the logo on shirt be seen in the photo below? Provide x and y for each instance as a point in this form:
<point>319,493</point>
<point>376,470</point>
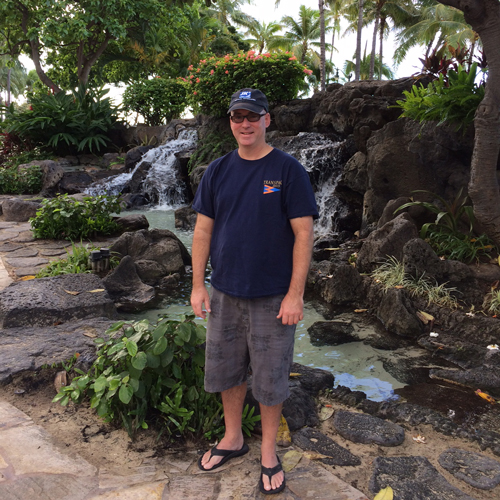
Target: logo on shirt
<point>272,186</point>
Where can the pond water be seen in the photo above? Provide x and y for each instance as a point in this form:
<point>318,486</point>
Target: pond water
<point>354,365</point>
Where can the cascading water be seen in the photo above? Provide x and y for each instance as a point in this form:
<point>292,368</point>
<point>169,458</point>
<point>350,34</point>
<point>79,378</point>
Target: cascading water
<point>323,159</point>
<point>162,183</point>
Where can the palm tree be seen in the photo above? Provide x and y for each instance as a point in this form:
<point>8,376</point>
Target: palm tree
<point>227,11</point>
<point>13,78</point>
<point>435,25</point>
<point>357,73</point>
<point>264,36</point>
<point>381,69</point>
<point>304,33</point>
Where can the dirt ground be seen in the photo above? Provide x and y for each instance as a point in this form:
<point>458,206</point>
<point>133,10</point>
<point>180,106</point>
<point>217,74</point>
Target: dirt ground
<point>108,447</point>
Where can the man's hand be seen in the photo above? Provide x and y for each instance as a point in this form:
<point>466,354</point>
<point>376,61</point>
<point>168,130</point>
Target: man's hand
<point>199,297</point>
<point>292,309</point>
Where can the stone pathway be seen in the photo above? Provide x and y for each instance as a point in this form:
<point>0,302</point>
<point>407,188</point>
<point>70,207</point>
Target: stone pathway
<point>32,466</point>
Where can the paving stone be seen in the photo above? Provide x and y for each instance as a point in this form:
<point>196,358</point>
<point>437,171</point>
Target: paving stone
<point>150,491</point>
<point>320,483</point>
<point>366,429</point>
<point>313,440</point>
<point>130,476</point>
<point>10,416</point>
<point>32,452</point>
<point>412,478</point>
<point>193,487</point>
<point>475,469</point>
<point>20,272</point>
<point>25,237</point>
<point>9,247</point>
<point>48,487</point>
<point>53,252</point>
<point>25,261</point>
<point>24,252</point>
<point>8,235</point>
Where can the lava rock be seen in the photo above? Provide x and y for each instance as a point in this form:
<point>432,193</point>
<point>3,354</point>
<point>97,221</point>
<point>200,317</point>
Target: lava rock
<point>331,333</point>
<point>360,428</point>
<point>18,210</point>
<point>475,469</point>
<point>314,440</point>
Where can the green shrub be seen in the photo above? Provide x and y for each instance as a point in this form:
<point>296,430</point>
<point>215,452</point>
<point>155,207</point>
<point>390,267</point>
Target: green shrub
<point>26,180</point>
<point>66,123</point>
<point>453,99</point>
<point>147,372</point>
<point>210,85</point>
<point>158,100</point>
<point>451,234</point>
<point>65,218</point>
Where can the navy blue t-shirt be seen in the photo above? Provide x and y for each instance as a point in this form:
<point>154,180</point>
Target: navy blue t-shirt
<point>251,202</point>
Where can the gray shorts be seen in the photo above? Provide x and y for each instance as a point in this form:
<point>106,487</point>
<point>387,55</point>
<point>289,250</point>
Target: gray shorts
<point>241,332</point>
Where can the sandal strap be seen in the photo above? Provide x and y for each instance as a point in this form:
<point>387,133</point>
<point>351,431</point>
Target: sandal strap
<point>220,453</point>
<point>271,471</point>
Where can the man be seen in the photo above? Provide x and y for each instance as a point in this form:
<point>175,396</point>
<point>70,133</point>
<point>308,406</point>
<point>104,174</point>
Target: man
<point>255,220</point>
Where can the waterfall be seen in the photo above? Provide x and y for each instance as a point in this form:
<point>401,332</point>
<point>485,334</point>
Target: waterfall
<point>162,182</point>
<point>323,158</point>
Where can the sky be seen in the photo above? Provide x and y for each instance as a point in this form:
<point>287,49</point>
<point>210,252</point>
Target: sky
<point>265,11</point>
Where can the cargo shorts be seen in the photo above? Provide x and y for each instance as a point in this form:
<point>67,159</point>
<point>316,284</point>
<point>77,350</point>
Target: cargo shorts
<point>243,333</point>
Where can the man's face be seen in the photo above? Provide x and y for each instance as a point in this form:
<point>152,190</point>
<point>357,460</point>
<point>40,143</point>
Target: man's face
<point>249,133</point>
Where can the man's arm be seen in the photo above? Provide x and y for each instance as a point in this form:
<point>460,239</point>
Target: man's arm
<point>292,306</point>
<point>200,253</point>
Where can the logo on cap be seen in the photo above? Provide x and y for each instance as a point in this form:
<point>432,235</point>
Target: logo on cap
<point>246,94</point>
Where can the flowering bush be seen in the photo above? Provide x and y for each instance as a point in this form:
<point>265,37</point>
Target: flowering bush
<point>279,75</point>
<point>158,100</point>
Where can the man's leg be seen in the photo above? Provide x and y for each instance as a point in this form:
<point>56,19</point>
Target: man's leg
<point>270,421</point>
<point>232,401</point>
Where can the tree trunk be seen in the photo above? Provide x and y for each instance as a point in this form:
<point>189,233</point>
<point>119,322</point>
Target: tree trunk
<point>86,61</point>
<point>484,17</point>
<point>381,49</point>
<point>9,73</point>
<point>374,49</point>
<point>322,43</point>
<point>358,41</point>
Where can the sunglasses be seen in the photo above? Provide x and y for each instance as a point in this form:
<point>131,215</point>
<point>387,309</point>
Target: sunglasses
<point>251,117</point>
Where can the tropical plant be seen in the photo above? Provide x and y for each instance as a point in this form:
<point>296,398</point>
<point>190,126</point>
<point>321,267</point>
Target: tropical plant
<point>451,99</point>
<point>491,303</point>
<point>210,85</point>
<point>263,37</point>
<point>149,372</point>
<point>381,70</point>
<point>158,100</point>
<point>63,217</point>
<point>451,234</point>
<point>391,274</point>
<point>66,123</point>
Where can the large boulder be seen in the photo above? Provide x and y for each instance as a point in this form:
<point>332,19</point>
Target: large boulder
<point>156,253</point>
<point>18,210</point>
<point>126,289</point>
<point>388,241</point>
<point>54,300</point>
<point>405,156</point>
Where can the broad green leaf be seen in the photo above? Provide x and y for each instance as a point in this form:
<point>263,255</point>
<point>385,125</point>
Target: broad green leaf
<point>160,331</point>
<point>167,356</point>
<point>131,347</point>
<point>100,384</point>
<point>152,360</point>
<point>160,346</point>
<point>139,362</point>
<point>125,394</point>
<point>184,331</point>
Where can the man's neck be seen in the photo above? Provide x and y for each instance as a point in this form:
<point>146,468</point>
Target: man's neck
<point>254,153</point>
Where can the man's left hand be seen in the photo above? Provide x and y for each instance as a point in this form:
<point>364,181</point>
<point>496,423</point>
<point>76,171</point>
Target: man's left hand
<point>292,309</point>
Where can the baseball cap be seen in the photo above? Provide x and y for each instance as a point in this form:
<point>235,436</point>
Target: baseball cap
<point>249,99</point>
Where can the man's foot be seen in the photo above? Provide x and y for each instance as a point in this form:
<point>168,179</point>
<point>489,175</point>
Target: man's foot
<point>272,479</point>
<point>216,457</point>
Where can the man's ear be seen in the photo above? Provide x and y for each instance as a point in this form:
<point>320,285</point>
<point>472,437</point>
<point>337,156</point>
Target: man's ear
<point>267,119</point>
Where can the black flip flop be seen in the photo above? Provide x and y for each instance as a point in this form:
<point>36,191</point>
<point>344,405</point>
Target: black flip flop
<point>270,472</point>
<point>226,454</point>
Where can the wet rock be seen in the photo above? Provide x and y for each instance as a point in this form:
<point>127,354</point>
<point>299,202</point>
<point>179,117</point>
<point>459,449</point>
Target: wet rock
<point>195,177</point>
<point>294,116</point>
<point>385,242</point>
<point>156,253</point>
<point>399,315</point>
<point>46,301</point>
<point>313,440</point>
<point>131,223</point>
<point>299,409</point>
<point>366,429</point>
<point>488,379</point>
<point>475,469</point>
<point>313,380</point>
<point>18,210</point>
<point>412,478</point>
<point>410,365</point>
<point>354,174</point>
<point>331,333</point>
<point>132,200</point>
<point>134,185</point>
<point>134,155</point>
<point>126,289</point>
<point>343,287</point>
<point>74,182</point>
<point>185,218</point>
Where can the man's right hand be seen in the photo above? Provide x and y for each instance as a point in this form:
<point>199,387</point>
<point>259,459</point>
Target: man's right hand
<point>200,297</point>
